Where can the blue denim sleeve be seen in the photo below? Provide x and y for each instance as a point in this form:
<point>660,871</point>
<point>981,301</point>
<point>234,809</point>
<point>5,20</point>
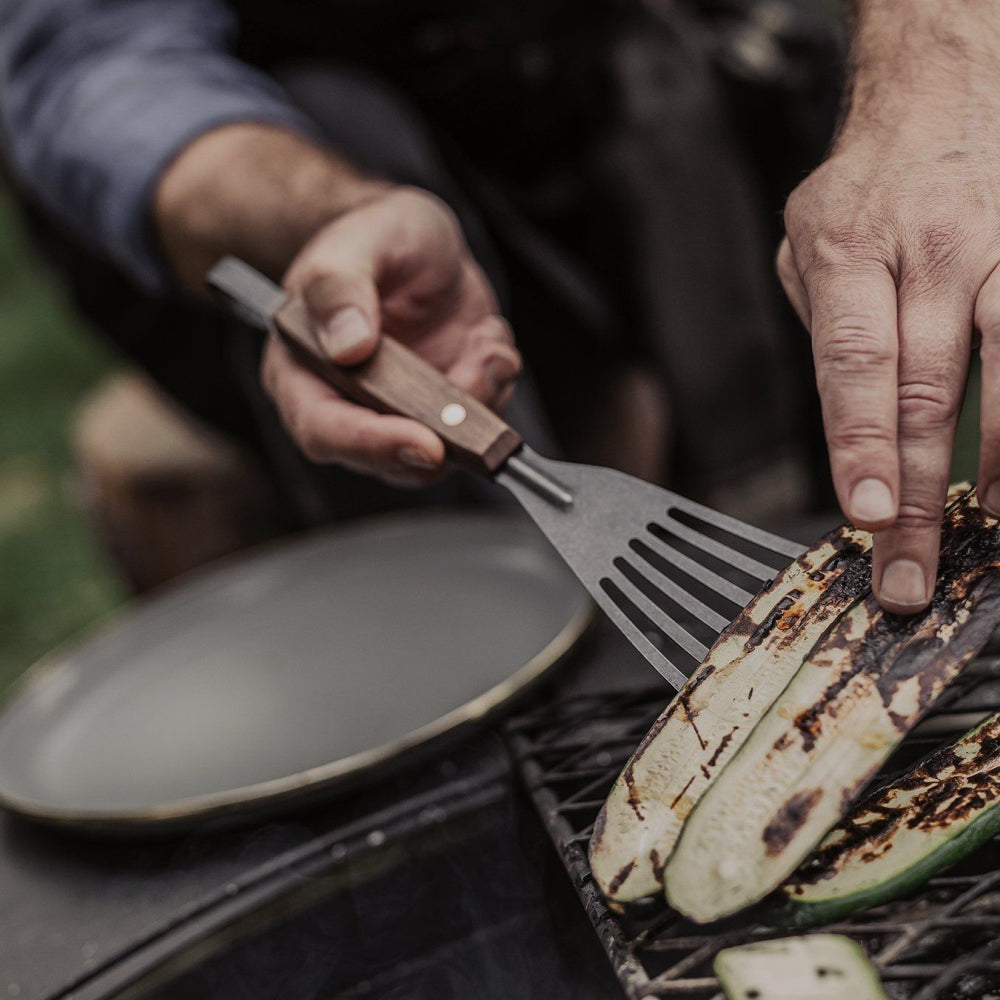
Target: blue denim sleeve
<point>97,97</point>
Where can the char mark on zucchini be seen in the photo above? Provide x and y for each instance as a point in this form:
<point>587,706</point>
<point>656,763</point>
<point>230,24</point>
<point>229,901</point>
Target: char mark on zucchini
<point>792,815</point>
<point>867,682</point>
<point>900,835</point>
<point>707,721</point>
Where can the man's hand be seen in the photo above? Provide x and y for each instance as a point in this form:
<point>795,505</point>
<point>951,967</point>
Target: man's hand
<point>891,262</point>
<point>367,257</point>
<point>397,264</point>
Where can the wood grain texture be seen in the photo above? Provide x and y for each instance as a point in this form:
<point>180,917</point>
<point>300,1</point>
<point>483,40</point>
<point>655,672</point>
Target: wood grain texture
<point>395,380</point>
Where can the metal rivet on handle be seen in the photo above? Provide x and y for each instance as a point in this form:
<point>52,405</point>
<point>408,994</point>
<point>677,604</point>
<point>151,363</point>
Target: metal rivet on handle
<point>453,414</point>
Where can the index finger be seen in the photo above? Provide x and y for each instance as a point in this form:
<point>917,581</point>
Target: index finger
<point>855,347</point>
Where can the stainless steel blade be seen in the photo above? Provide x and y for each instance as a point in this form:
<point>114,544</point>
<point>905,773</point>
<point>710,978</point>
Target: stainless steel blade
<point>247,293</point>
<point>600,521</point>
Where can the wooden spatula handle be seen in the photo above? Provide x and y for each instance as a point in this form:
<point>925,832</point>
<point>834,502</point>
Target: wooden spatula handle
<point>395,380</point>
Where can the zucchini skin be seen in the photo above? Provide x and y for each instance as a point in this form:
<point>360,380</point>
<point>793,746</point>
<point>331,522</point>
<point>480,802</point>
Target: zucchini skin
<point>863,687</point>
<point>863,842</point>
<point>712,715</point>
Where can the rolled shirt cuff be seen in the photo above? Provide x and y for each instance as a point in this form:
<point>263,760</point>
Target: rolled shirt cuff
<point>119,202</point>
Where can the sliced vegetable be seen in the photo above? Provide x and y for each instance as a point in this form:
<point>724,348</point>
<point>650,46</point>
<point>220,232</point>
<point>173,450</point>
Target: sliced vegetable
<point>816,967</point>
<point>708,720</point>
<point>898,837</point>
<point>867,682</point>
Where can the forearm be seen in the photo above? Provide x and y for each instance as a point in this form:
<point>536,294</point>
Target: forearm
<point>932,59</point>
<point>257,191</point>
<point>99,98</point>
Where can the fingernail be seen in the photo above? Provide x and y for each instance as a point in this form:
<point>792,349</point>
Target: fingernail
<point>345,329</point>
<point>415,458</point>
<point>904,584</point>
<point>991,499</point>
<point>871,501</point>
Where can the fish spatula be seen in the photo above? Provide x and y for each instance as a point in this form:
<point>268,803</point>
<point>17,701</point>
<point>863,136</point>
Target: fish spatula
<point>670,573</point>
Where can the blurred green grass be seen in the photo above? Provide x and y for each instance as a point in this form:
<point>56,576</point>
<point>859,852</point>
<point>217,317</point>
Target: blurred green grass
<point>966,457</point>
<point>53,578</point>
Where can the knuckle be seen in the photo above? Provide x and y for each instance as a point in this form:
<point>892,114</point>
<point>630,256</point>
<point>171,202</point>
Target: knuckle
<point>851,347</point>
<point>937,243</point>
<point>836,247</point>
<point>793,204</point>
<point>860,439</point>
<point>804,205</point>
<point>319,293</point>
<point>503,331</point>
<point>493,334</point>
<point>926,405</point>
<point>474,288</point>
<point>360,441</point>
<point>833,221</point>
<point>918,515</point>
<point>429,207</point>
<point>308,270</point>
<point>937,260</point>
<point>784,264</point>
<point>823,244</point>
<point>324,292</point>
<point>844,241</point>
<point>312,443</point>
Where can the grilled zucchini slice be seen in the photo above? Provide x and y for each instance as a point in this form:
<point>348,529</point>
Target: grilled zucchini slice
<point>815,967</point>
<point>899,836</point>
<point>869,680</point>
<point>713,714</point>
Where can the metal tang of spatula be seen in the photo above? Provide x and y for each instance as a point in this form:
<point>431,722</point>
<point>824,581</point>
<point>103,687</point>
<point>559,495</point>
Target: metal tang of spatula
<point>669,572</point>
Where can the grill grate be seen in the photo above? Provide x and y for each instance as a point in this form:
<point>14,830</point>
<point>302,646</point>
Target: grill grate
<point>942,943</point>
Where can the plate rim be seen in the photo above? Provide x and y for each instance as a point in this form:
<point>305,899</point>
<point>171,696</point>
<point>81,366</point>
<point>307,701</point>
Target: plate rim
<point>301,784</point>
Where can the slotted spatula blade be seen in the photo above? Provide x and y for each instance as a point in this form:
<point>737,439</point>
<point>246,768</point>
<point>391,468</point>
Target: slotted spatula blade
<point>670,573</point>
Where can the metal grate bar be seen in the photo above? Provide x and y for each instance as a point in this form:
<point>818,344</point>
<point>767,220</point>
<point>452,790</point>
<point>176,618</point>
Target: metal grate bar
<point>944,942</point>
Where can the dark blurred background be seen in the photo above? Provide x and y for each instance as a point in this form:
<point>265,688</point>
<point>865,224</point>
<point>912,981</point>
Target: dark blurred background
<point>55,577</point>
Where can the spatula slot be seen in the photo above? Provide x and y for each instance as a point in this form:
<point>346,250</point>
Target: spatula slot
<point>695,570</point>
<point>720,563</point>
<point>672,651</point>
<point>682,616</point>
<point>764,554</point>
<point>705,602</point>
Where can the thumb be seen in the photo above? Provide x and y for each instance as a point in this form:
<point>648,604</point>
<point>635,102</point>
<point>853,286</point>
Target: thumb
<point>345,312</point>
